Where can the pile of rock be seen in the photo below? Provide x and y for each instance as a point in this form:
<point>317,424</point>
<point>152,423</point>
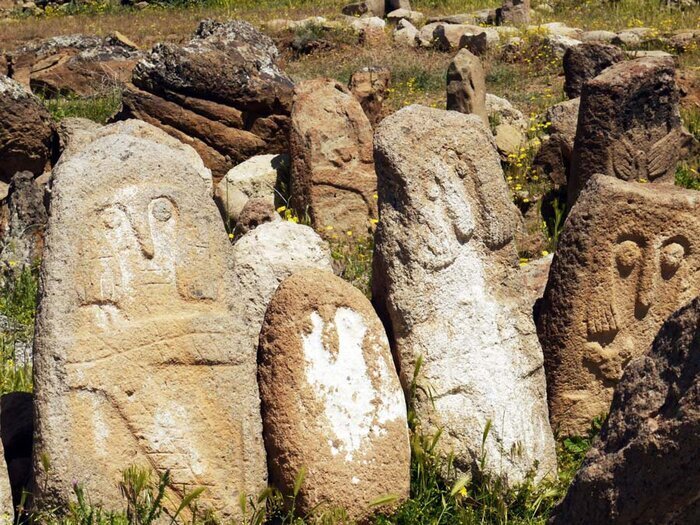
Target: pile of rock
<point>74,65</point>
<point>222,93</point>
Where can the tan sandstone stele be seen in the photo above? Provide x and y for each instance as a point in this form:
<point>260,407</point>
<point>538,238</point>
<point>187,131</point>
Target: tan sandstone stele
<point>628,258</point>
<point>333,175</point>
<point>135,359</point>
<point>331,399</point>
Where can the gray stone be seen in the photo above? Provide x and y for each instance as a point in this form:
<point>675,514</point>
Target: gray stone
<point>445,281</point>
<point>263,176</point>
<point>466,85</point>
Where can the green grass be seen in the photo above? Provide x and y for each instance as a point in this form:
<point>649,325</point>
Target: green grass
<point>353,260</point>
<point>687,177</point>
<point>18,307</point>
<point>98,108</point>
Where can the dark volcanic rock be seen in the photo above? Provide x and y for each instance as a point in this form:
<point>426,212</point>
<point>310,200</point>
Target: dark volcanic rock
<point>16,430</point>
<point>75,64</point>
<point>586,61</point>
<point>644,468</point>
<point>222,92</point>
<point>27,135</point>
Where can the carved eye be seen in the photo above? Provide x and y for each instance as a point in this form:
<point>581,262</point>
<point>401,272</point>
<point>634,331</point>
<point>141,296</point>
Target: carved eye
<point>628,253</point>
<point>112,217</point>
<point>671,258</point>
<point>162,209</point>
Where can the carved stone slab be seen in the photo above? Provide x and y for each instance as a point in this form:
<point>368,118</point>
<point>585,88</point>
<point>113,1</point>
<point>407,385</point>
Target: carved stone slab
<point>135,363</point>
<point>446,282</point>
<point>331,398</point>
<point>628,258</point>
<point>333,175</point>
<point>629,125</point>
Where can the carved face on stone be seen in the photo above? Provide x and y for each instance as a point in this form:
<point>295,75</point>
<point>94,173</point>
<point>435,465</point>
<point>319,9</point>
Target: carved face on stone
<point>457,205</point>
<point>629,257</point>
<point>142,254</point>
<point>647,273</point>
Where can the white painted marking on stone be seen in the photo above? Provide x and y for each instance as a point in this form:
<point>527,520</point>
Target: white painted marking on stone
<point>353,407</point>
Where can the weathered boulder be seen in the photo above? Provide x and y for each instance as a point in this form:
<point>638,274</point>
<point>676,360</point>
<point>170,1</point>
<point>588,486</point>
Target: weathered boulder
<point>365,7</point>
<point>27,135</point>
<point>74,133</point>
<point>446,285</point>
<point>513,12</point>
<point>405,34</point>
<point>643,468</point>
<point>450,37</point>
<point>256,211</point>
<point>584,62</point>
<point>627,259</point>
<point>553,159</point>
<point>414,17</point>
<point>558,45</point>
<point>466,85</point>
<point>136,358</point>
<point>331,400</point>
<point>598,36</point>
<point>501,111</point>
<point>17,432</point>
<point>263,258</point>
<point>370,86</point>
<point>23,233</point>
<point>629,125</point>
<point>74,64</point>
<point>332,164</point>
<point>262,176</point>
<point>222,93</point>
<point>509,139</point>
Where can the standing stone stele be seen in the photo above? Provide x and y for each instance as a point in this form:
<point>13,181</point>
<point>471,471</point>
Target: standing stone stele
<point>629,125</point>
<point>644,467</point>
<point>466,85</point>
<point>628,258</point>
<point>445,281</point>
<point>333,178</point>
<point>135,356</point>
<point>331,399</point>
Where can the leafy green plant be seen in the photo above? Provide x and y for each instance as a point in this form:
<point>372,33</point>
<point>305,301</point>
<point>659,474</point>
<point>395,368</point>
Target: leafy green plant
<point>687,177</point>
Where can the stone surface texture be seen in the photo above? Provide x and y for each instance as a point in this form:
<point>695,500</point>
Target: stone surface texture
<point>553,159</point>
<point>643,469</point>
<point>333,176</point>
<point>466,85</point>
<point>331,399</point>
<point>447,286</point>
<point>513,12</point>
<point>584,62</point>
<point>78,65</point>
<point>222,93</point>
<point>136,358</point>
<point>370,86</point>
<point>262,176</point>
<point>629,125</point>
<point>627,259</point>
